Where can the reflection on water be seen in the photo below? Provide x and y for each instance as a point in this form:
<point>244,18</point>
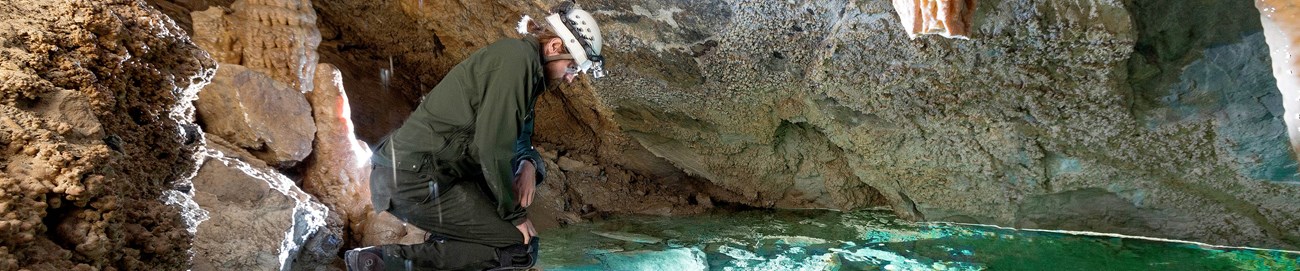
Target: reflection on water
<point>867,240</point>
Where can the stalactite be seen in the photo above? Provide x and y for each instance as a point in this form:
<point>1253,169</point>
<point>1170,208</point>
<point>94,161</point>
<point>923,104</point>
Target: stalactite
<point>276,37</point>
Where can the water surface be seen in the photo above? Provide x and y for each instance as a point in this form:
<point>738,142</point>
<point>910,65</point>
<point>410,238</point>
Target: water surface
<point>868,240</point>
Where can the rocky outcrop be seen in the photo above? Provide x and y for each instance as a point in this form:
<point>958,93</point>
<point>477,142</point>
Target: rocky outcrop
<point>276,37</point>
<point>268,53</point>
<point>179,10</point>
<point>575,189</point>
<point>257,218</point>
<point>95,125</point>
<point>1281,22</point>
<point>339,168</point>
<point>948,18</point>
<point>259,114</point>
<point>826,105</point>
<point>597,167</point>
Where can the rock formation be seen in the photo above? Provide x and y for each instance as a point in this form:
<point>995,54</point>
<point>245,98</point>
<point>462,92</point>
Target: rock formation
<point>276,37</point>
<point>267,49</point>
<point>948,18</point>
<point>827,104</point>
<point>598,167</point>
<point>1281,22</point>
<point>257,218</point>
<point>95,126</point>
<point>260,119</point>
<point>384,228</point>
<point>269,118</point>
<point>339,168</point>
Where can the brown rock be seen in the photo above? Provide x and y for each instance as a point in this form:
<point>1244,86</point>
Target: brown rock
<point>257,219</point>
<point>257,113</point>
<point>95,98</point>
<point>567,164</point>
<point>276,37</point>
<point>549,209</point>
<point>210,34</point>
<point>338,171</point>
<point>72,109</point>
<point>384,228</point>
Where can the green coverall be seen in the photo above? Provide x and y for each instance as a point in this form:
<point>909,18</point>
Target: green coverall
<point>449,168</point>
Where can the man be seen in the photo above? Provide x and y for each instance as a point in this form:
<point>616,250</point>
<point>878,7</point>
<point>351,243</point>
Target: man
<point>462,166</point>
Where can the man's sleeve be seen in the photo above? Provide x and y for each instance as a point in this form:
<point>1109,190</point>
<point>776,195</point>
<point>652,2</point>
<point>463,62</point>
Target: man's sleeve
<point>497,126</point>
<point>524,149</point>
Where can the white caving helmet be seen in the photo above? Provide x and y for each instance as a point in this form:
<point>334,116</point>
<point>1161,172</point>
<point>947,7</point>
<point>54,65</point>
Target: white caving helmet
<point>581,37</point>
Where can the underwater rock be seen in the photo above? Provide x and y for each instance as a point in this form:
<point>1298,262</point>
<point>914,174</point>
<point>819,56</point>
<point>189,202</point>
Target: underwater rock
<point>1091,209</point>
<point>259,114</point>
<point>94,109</point>
<point>669,259</point>
<point>630,237</point>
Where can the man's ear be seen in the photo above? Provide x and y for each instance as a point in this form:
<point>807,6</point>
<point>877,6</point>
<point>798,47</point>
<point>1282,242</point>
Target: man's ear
<point>554,46</point>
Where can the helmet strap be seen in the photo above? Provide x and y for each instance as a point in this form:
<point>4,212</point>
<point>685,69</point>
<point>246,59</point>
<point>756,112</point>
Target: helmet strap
<point>558,57</point>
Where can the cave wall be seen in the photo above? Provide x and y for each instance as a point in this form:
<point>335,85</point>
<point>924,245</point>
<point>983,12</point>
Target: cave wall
<point>1049,108</point>
<point>97,140</point>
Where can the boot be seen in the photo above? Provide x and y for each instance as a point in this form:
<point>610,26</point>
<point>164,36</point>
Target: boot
<point>518,257</point>
<point>365,259</point>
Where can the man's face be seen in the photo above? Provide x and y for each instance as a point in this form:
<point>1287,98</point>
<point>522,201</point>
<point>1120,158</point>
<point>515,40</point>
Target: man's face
<point>561,70</point>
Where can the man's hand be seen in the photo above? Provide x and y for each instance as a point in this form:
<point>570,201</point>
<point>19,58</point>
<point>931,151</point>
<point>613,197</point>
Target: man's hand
<point>525,183</point>
<point>526,229</point>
